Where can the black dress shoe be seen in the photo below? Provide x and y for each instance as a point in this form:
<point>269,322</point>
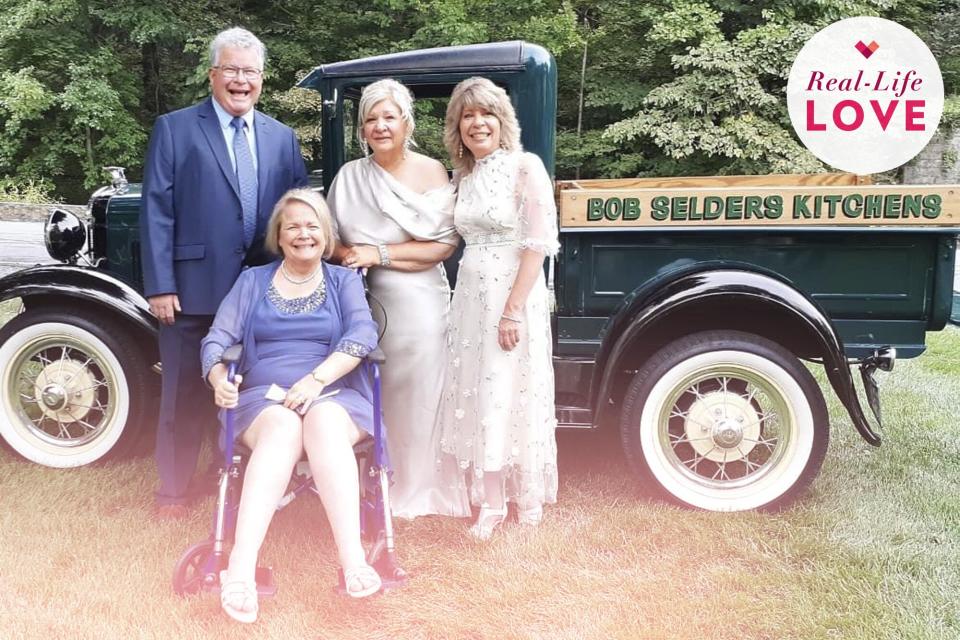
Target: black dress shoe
<point>201,488</point>
<point>169,512</point>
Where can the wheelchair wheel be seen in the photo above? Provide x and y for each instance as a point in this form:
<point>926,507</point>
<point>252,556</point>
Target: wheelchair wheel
<point>196,569</point>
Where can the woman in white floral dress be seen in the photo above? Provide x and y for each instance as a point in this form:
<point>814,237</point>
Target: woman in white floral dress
<point>497,411</point>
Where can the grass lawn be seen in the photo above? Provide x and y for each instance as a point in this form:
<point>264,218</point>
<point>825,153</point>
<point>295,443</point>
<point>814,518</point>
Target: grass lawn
<point>872,552</point>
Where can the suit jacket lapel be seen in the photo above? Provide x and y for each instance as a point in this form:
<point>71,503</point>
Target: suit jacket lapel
<point>265,142</point>
<point>210,126</point>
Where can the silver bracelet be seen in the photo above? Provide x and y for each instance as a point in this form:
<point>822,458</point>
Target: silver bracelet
<point>511,318</point>
<point>384,255</point>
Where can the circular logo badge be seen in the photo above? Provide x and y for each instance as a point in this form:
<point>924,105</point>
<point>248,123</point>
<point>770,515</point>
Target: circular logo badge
<point>865,95</point>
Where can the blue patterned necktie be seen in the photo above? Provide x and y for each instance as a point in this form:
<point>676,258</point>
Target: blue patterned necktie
<point>247,179</point>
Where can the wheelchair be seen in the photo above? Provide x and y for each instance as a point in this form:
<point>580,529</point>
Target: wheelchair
<point>198,569</point>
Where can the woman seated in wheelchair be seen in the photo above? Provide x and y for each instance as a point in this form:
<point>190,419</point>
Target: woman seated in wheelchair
<point>305,326</point>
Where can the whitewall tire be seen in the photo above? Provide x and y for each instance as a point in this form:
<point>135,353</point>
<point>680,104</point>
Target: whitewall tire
<point>725,421</point>
<point>71,388</point>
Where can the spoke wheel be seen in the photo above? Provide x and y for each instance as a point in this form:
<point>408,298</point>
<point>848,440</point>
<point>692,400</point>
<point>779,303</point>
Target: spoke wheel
<point>194,571</point>
<point>725,421</point>
<point>71,388</point>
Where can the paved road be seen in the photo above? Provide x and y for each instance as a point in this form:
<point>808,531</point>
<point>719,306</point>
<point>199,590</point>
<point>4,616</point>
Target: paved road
<point>21,245</point>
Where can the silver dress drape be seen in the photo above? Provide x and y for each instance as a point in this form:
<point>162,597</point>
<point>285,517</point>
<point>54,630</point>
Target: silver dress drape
<point>370,206</point>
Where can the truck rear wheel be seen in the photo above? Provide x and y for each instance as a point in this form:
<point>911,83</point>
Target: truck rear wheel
<point>725,421</point>
<point>72,388</point>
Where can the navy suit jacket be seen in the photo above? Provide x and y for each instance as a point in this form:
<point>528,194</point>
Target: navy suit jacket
<point>191,220</point>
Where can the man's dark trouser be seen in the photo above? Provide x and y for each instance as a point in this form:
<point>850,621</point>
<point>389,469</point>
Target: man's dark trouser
<point>187,411</point>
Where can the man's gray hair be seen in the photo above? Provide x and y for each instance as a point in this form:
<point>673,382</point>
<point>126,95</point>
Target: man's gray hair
<point>236,38</point>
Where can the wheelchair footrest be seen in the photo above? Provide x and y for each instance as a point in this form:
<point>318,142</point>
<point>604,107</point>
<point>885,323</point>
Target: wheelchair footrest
<point>266,587</point>
<point>391,574</point>
<point>391,577</point>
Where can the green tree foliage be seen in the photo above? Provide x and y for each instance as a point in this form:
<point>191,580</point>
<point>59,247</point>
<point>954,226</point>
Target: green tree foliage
<point>77,91</point>
<point>669,87</point>
<point>698,86</point>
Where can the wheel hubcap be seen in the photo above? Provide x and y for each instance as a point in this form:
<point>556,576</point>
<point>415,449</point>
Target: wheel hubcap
<point>722,425</point>
<point>725,426</point>
<point>64,390</point>
<point>54,397</point>
<point>64,394</point>
<point>727,434</point>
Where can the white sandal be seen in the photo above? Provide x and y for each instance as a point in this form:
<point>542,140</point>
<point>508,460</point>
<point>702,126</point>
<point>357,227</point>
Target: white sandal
<point>241,591</point>
<point>487,521</point>
<point>360,575</point>
<point>531,517</point>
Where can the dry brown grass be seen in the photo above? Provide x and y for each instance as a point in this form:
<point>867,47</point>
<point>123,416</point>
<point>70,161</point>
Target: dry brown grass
<point>873,552</point>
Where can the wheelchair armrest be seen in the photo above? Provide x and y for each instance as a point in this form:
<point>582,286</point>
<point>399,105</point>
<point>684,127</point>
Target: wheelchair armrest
<point>232,355</point>
<point>377,356</point>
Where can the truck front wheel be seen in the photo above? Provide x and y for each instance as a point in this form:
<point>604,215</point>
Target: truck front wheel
<point>72,388</point>
<point>725,421</point>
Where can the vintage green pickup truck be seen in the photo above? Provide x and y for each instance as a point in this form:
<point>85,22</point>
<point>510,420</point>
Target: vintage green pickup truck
<point>685,307</point>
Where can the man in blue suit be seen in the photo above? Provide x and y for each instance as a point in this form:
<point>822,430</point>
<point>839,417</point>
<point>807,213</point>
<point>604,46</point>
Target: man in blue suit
<point>213,173</point>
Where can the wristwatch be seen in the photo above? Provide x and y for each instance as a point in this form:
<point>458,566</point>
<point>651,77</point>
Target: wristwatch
<point>316,376</point>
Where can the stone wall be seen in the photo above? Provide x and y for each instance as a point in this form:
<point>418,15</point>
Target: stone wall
<point>23,212</point>
<point>938,163</point>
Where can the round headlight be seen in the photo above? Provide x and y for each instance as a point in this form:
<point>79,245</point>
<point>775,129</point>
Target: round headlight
<point>64,234</point>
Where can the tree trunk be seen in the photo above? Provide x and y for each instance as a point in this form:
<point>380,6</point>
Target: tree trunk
<point>152,98</point>
<point>90,160</point>
<point>583,78</point>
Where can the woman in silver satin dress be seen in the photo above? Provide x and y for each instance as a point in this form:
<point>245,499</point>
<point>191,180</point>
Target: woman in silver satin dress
<point>393,212</point>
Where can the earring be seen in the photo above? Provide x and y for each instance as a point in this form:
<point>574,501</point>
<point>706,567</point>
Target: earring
<point>460,150</point>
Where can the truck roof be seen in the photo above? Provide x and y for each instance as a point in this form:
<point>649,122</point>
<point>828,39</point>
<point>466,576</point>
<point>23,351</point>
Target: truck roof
<point>513,55</point>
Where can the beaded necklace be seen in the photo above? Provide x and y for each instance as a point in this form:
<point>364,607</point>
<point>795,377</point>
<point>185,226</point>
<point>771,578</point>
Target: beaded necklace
<point>291,280</point>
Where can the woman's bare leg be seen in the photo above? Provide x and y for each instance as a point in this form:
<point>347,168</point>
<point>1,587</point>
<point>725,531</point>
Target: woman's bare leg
<point>276,440</point>
<point>328,438</point>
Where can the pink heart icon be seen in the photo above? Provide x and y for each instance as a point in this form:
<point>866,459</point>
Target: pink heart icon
<point>866,49</point>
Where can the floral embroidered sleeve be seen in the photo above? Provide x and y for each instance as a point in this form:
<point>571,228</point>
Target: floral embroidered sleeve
<point>359,330</point>
<point>538,210</point>
<point>352,348</point>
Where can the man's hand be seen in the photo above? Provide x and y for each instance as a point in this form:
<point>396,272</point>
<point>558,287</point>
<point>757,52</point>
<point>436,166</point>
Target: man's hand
<point>164,307</point>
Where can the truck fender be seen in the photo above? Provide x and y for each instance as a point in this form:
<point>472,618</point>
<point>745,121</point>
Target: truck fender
<point>81,283</point>
<point>652,304</point>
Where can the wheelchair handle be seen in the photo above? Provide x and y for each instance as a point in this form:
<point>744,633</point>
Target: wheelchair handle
<point>231,358</point>
<point>232,355</point>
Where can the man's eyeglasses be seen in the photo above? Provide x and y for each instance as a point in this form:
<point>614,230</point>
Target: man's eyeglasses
<point>235,72</point>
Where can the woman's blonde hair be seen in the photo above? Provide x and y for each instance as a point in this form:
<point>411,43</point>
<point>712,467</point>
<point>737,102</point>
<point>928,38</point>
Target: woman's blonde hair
<point>478,92</point>
<point>386,89</point>
<point>313,200</point>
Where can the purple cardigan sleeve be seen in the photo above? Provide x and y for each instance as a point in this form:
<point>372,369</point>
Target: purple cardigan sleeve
<point>228,325</point>
<point>359,330</point>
